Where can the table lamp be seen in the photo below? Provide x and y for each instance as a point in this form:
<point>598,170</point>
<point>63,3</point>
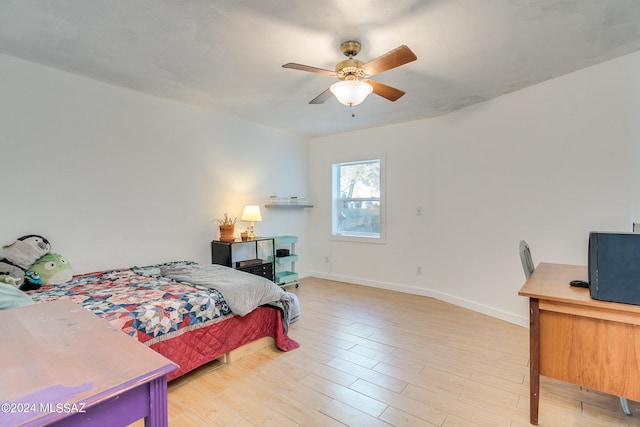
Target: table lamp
<point>251,213</point>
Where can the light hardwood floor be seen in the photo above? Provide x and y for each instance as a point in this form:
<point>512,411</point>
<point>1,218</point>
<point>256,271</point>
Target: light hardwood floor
<point>371,357</point>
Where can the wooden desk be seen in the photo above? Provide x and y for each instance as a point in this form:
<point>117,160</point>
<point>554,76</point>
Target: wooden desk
<point>63,365</point>
<point>577,339</point>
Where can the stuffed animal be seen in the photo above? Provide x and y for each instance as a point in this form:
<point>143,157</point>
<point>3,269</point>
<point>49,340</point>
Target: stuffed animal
<point>18,256</point>
<point>25,251</point>
<point>53,269</point>
<point>11,274</point>
<point>9,280</point>
<point>31,281</point>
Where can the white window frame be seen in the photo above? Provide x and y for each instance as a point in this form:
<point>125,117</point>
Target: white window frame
<point>355,236</point>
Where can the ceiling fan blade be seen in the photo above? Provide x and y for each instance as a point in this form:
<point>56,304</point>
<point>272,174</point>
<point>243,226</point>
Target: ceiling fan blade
<point>388,92</point>
<point>322,97</point>
<point>301,67</point>
<point>392,59</point>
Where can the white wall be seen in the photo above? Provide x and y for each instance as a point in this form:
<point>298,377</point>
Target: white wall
<point>115,178</point>
<point>546,164</point>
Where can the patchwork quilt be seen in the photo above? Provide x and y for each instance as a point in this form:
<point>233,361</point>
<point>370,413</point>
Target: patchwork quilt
<point>188,324</point>
<point>148,308</point>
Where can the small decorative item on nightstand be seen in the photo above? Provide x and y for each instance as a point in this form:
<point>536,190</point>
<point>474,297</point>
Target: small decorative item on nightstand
<point>227,228</point>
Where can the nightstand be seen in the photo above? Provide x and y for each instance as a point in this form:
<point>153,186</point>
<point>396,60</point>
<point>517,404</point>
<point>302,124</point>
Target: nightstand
<point>254,256</point>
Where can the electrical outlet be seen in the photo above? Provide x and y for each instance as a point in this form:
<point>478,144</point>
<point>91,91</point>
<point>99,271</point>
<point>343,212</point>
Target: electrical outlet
<point>326,259</point>
<point>419,211</point>
<point>419,270</point>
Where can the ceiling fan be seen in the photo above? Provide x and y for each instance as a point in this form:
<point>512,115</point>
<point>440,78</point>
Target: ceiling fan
<point>355,83</point>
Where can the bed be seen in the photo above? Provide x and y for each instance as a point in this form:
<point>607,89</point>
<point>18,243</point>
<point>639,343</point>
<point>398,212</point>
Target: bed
<point>188,323</point>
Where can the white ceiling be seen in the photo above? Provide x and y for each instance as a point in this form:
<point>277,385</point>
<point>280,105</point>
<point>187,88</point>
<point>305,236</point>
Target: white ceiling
<point>226,55</point>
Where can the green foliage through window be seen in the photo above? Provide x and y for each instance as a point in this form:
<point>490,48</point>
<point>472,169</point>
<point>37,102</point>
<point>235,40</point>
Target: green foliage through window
<point>357,188</point>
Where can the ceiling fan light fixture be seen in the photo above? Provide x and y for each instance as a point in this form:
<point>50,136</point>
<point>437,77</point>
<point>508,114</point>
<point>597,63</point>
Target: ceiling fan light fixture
<point>351,92</point>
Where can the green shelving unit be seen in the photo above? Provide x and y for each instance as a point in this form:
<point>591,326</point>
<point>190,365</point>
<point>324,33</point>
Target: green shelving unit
<point>286,276</point>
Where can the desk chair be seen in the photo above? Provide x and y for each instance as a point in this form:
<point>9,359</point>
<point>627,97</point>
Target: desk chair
<point>525,257</point>
<point>528,267</point>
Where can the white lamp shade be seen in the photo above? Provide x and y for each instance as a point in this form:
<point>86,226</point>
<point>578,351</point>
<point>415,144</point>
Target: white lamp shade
<point>251,213</point>
<point>351,92</point>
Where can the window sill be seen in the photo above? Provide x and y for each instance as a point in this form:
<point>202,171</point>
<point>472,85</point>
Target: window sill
<point>358,239</point>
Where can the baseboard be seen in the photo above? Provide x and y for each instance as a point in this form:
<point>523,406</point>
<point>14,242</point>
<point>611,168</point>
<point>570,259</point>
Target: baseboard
<point>452,299</point>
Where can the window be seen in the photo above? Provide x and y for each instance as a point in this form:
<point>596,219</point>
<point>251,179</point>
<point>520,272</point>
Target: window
<point>357,200</point>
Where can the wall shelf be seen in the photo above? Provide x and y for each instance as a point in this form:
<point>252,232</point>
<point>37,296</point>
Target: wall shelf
<point>285,206</point>
<point>293,202</point>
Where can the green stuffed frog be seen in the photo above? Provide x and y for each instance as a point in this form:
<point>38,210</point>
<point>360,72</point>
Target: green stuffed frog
<point>53,269</point>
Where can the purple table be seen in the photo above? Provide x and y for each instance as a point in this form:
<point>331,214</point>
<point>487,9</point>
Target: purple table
<point>62,365</point>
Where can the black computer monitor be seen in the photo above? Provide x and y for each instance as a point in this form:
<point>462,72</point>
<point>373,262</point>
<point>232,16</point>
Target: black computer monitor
<point>614,267</point>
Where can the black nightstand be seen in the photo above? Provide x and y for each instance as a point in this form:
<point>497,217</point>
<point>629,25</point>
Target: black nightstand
<point>253,256</point>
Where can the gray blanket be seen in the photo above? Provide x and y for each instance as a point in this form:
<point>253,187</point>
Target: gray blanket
<point>242,291</point>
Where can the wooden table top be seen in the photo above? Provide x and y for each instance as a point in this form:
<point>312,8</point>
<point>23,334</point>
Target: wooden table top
<point>550,282</point>
<point>59,352</point>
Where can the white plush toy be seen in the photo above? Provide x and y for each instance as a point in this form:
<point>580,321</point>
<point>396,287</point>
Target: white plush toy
<point>18,256</point>
<point>26,250</point>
